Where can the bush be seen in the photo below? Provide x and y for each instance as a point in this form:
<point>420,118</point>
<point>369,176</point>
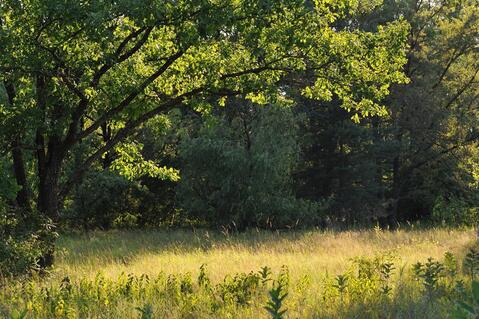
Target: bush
<point>105,200</point>
<point>24,238</point>
<point>238,170</point>
<point>24,235</point>
<point>455,212</point>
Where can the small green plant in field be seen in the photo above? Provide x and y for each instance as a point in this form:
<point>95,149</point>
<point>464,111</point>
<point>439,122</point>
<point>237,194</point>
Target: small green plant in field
<point>146,312</point>
<point>386,270</point>
<point>186,284</point>
<point>203,279</point>
<point>239,289</point>
<point>19,314</point>
<point>450,264</point>
<point>471,263</point>
<point>468,310</point>
<point>429,274</point>
<point>265,273</point>
<point>277,296</point>
<point>341,285</point>
<point>284,277</point>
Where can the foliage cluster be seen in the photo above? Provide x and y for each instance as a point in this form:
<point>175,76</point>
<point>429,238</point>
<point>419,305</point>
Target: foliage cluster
<point>24,242</point>
<point>237,170</point>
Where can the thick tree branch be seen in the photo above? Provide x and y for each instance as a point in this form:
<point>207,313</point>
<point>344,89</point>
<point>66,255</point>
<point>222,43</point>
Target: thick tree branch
<point>471,139</point>
<point>119,57</point>
<point>72,132</point>
<point>267,67</point>
<point>462,90</point>
<point>455,55</point>
<point>124,132</point>
<point>126,101</point>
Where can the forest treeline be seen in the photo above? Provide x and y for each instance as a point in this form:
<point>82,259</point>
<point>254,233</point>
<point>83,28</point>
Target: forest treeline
<point>234,114</point>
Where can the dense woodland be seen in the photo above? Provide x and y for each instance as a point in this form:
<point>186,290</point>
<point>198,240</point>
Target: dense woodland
<point>233,115</point>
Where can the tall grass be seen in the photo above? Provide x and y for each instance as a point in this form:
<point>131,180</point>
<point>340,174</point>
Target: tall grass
<point>310,274</point>
<point>304,252</point>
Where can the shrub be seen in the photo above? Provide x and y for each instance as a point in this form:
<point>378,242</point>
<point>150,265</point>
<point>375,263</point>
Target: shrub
<point>105,200</point>
<point>470,308</point>
<point>24,239</point>
<point>455,211</point>
<point>238,170</point>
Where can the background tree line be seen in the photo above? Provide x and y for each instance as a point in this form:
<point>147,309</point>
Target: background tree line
<point>237,114</point>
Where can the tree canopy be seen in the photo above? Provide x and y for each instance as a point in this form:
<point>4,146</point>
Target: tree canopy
<point>72,67</point>
<point>296,105</point>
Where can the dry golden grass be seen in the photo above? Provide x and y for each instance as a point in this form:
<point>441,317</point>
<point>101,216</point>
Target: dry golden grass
<point>313,259</point>
<point>309,253</point>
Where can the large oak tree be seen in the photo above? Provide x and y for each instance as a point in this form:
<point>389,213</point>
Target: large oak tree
<point>72,69</point>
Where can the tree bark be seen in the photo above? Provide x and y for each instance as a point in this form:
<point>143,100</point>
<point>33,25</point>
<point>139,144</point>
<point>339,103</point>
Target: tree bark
<point>48,190</point>
<point>23,195</point>
<point>48,204</point>
<point>396,190</point>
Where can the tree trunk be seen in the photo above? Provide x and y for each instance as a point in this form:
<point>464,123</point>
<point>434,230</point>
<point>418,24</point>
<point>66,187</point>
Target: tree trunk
<point>396,191</point>
<point>48,191</point>
<point>48,205</point>
<point>23,195</point>
<point>49,159</point>
<point>49,168</point>
<point>106,135</point>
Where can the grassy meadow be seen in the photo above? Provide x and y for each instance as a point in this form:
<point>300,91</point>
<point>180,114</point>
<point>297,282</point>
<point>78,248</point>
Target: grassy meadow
<point>304,252</point>
<point>327,274</point>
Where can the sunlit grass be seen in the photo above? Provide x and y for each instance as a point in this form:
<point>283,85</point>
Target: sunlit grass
<point>98,265</point>
<point>304,252</point>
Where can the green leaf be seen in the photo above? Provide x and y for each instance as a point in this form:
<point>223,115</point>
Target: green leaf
<point>466,307</point>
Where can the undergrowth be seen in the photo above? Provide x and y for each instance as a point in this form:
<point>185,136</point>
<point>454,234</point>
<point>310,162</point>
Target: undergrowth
<point>370,288</point>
